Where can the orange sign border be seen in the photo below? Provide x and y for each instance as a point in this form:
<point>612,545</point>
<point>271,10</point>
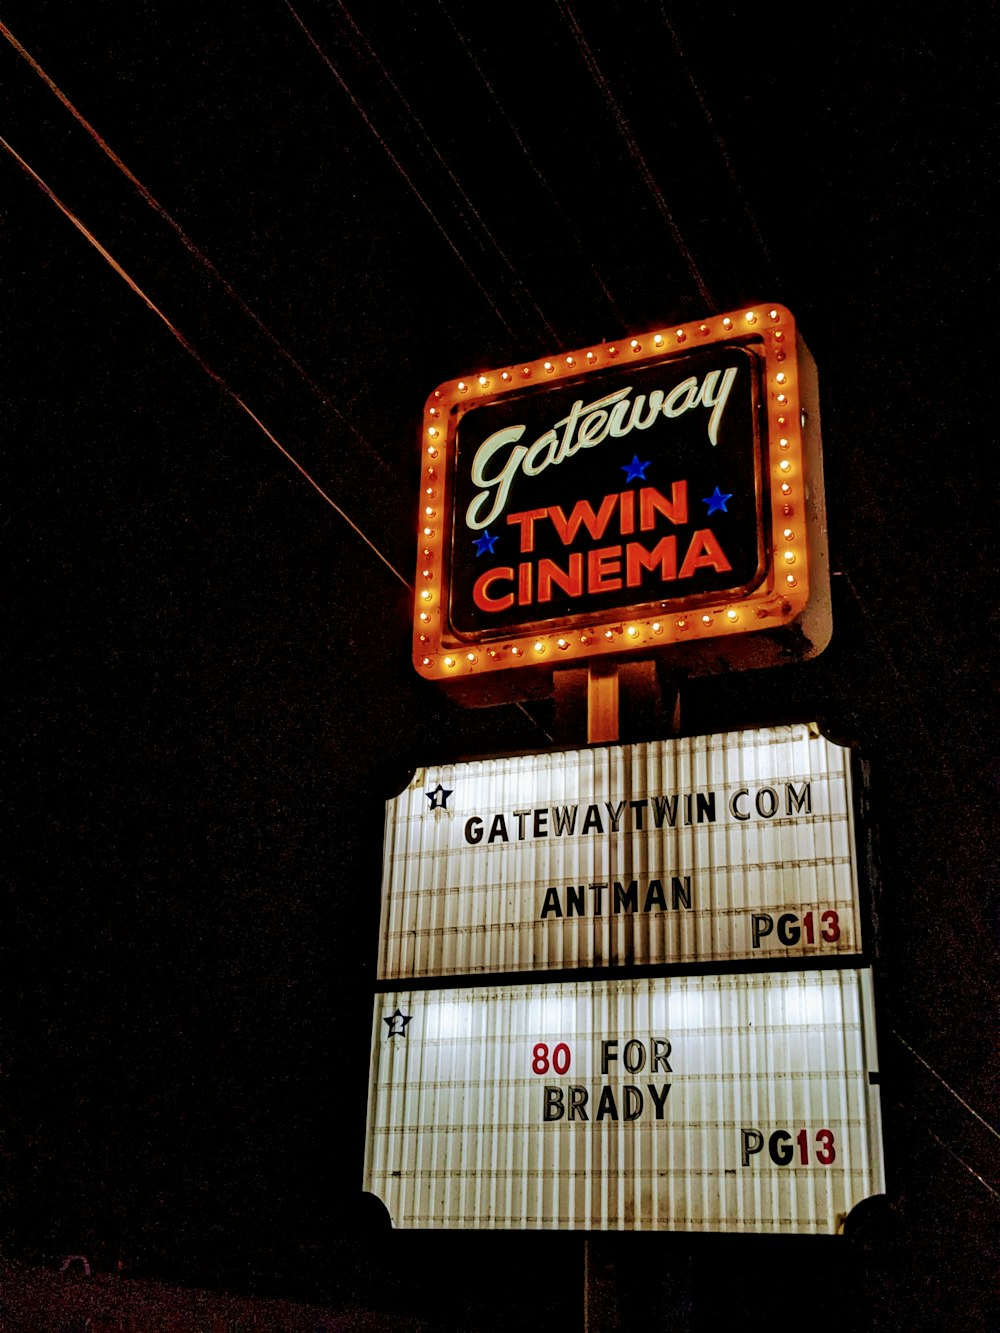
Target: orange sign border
<point>778,600</point>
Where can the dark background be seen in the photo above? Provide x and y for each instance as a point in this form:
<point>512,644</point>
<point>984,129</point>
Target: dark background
<point>210,690</point>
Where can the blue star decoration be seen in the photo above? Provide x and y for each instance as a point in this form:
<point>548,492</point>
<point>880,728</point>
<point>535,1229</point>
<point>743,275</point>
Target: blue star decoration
<point>484,545</point>
<point>397,1022</point>
<point>439,797</point>
<point>634,471</point>
<point>717,502</point>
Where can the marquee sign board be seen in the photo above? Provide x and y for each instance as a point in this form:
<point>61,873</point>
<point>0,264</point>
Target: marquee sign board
<point>709,849</point>
<point>706,1103</point>
<point>665,492</point>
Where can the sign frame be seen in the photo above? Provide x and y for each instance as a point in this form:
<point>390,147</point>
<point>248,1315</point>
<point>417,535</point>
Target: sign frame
<point>784,613</point>
<point>754,1106</point>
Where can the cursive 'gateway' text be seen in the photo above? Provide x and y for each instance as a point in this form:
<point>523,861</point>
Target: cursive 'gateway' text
<point>585,426</point>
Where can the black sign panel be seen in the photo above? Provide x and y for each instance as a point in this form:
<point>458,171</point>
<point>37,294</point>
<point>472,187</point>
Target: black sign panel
<point>632,487</point>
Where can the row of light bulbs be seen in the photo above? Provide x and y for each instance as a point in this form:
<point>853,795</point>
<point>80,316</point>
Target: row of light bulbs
<point>729,617</point>
<point>584,639</point>
<point>589,359</point>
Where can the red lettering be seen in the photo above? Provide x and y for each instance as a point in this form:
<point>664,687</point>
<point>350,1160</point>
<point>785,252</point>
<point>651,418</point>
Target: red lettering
<point>600,570</point>
<point>651,503</point>
<point>826,1154</point>
<point>570,580</point>
<point>604,568</point>
<point>583,512</point>
<point>527,524</point>
<point>704,553</point>
<point>637,558</point>
<point>831,927</point>
<point>524,579</point>
<point>561,1058</point>
<point>480,591</point>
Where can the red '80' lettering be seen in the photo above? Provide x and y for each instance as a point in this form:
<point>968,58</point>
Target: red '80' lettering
<point>561,1058</point>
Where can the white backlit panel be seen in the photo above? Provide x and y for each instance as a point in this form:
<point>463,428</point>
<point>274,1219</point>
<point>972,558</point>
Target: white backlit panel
<point>710,1103</point>
<point>710,848</point>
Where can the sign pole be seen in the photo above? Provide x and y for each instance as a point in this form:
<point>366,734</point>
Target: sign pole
<point>602,702</point>
<point>600,1287</point>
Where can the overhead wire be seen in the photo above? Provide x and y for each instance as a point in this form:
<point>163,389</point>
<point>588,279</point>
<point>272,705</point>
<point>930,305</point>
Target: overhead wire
<point>915,1120</point>
<point>720,142</point>
<point>458,186</point>
<point>635,152</point>
<point>460,189</point>
<point>961,1161</point>
<point>175,332</point>
<point>624,130</point>
<point>196,356</point>
<point>945,1084</point>
<point>407,177</point>
<point>190,245</point>
<point>570,227</point>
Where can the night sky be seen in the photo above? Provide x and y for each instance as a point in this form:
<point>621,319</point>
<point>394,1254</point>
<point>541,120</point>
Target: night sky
<point>210,689</point>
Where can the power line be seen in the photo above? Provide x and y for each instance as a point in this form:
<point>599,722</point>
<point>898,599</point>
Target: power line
<point>962,1162</point>
<point>186,240</point>
<point>519,281</point>
<point>399,166</point>
<point>944,1083</point>
<point>216,378</point>
<point>918,1123</point>
<point>720,143</point>
<point>195,354</point>
<point>635,152</point>
<point>568,223</point>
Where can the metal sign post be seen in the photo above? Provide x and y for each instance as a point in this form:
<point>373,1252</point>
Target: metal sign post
<point>600,1278</point>
<point>602,702</point>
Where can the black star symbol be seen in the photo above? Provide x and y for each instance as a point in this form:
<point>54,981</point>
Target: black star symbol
<point>438,797</point>
<point>397,1022</point>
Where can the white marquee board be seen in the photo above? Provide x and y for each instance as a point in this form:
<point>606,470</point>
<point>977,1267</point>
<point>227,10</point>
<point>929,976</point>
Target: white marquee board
<point>705,1103</point>
<point>706,849</point>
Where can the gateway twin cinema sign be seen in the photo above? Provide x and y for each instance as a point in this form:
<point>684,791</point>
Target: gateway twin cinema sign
<point>662,492</point>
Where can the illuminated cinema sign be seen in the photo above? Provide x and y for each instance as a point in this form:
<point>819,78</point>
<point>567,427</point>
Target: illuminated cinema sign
<point>662,492</point>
